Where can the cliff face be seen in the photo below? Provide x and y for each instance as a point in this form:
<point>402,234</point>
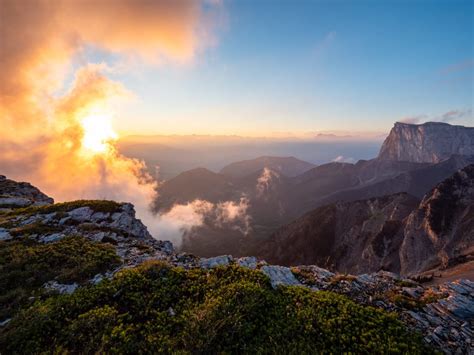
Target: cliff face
<point>356,237</point>
<point>430,142</point>
<point>441,230</point>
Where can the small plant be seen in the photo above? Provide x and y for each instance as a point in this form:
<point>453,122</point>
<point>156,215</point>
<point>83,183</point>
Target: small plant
<point>405,283</point>
<point>342,277</point>
<point>430,296</point>
<point>403,301</point>
<point>34,228</point>
<point>304,276</point>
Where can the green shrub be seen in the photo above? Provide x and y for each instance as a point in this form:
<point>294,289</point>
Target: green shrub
<point>25,265</point>
<point>156,308</point>
<point>34,228</point>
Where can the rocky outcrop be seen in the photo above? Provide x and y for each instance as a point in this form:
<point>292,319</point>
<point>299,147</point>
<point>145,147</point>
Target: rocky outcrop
<point>441,230</point>
<point>100,221</point>
<point>20,194</point>
<point>444,314</point>
<point>430,142</point>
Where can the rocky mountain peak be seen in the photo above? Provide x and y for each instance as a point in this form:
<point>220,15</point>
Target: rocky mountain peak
<point>430,142</point>
<point>21,194</point>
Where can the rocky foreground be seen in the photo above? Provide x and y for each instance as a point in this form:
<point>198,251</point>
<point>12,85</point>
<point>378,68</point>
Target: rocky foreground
<point>443,314</point>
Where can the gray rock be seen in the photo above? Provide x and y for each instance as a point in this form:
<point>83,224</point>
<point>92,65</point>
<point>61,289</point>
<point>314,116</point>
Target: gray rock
<point>5,322</point>
<point>129,224</point>
<point>208,263</point>
<point>248,262</point>
<point>61,288</point>
<point>64,220</point>
<point>280,275</point>
<point>51,238</point>
<point>97,278</point>
<point>167,247</point>
<point>4,234</point>
<point>15,201</point>
<point>99,216</point>
<point>81,214</point>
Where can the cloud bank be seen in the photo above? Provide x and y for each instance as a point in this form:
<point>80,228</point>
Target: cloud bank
<point>183,218</point>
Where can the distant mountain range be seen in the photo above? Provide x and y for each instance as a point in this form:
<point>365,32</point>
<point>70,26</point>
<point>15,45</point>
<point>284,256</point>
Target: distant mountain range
<point>280,190</point>
<point>288,166</point>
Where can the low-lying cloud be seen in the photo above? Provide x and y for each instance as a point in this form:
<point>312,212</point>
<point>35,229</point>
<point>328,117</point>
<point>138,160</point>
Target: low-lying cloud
<point>265,182</point>
<point>343,159</point>
<point>183,218</point>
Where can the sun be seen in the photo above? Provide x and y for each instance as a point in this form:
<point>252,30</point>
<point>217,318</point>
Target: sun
<point>98,132</point>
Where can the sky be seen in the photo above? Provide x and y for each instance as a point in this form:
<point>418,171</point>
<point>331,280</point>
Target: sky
<point>301,66</point>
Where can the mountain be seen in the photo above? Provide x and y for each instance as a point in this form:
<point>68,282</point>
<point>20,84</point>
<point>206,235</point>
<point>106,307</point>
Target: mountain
<point>87,277</point>
<point>429,142</point>
<point>395,232</point>
<point>416,181</point>
<point>288,166</point>
<point>354,237</point>
<point>199,183</point>
<point>274,200</point>
<point>440,232</point>
<point>318,186</point>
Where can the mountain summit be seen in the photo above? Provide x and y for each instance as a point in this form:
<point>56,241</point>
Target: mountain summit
<point>430,142</point>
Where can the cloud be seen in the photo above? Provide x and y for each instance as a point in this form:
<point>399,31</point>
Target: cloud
<point>264,182</point>
<point>42,136</point>
<point>454,115</point>
<point>449,116</point>
<point>342,159</point>
<point>182,218</point>
<point>413,119</point>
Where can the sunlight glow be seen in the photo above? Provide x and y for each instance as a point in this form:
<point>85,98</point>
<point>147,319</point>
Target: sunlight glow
<point>98,133</point>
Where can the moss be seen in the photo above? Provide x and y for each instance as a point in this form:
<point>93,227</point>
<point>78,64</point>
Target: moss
<point>34,228</point>
<point>431,296</point>
<point>405,283</point>
<point>403,301</point>
<point>156,308</point>
<point>342,277</point>
<point>304,276</point>
<point>25,265</point>
<point>96,205</point>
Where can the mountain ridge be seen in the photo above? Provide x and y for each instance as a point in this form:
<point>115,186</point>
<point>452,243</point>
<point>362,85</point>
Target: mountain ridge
<point>409,236</point>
